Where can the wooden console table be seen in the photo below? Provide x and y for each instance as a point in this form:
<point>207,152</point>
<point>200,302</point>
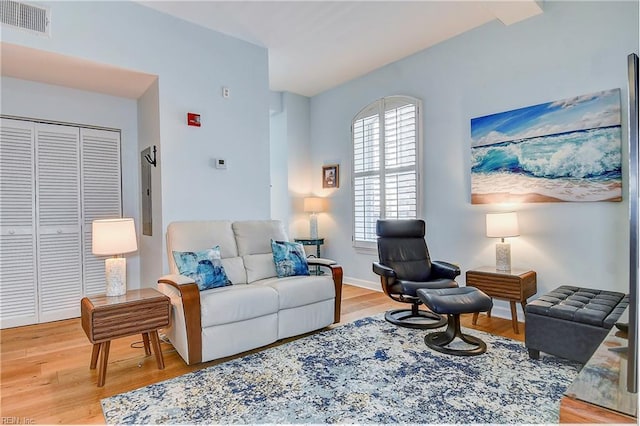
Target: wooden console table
<point>105,318</point>
<point>599,393</point>
<point>516,285</point>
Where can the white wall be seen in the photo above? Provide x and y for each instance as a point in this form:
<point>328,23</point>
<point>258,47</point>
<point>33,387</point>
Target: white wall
<point>43,101</point>
<point>573,48</point>
<point>193,64</point>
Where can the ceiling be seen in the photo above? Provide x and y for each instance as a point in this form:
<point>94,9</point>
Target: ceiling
<point>313,46</point>
<point>316,45</point>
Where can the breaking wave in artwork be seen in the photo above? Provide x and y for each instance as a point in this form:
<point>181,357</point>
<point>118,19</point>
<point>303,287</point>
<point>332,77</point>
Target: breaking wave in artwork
<point>585,154</point>
<point>583,165</point>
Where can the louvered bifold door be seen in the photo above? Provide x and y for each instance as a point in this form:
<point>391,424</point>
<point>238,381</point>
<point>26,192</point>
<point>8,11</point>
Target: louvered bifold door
<point>58,217</point>
<point>18,280</point>
<point>101,196</point>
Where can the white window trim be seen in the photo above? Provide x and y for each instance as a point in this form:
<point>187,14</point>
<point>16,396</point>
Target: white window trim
<point>381,105</point>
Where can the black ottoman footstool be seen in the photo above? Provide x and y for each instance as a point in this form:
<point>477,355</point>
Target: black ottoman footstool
<point>453,302</point>
<point>571,322</point>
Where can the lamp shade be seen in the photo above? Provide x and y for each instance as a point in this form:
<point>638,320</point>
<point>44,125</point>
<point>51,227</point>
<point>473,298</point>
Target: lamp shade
<point>502,225</point>
<point>313,204</point>
<point>113,237</point>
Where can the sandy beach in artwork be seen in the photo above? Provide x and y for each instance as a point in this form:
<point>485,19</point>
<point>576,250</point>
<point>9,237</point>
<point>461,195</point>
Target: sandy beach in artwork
<point>513,188</point>
<point>497,198</point>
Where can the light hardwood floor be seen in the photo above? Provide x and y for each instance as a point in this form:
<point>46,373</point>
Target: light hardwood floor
<point>45,375</point>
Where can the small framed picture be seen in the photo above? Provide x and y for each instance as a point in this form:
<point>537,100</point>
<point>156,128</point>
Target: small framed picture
<point>330,176</point>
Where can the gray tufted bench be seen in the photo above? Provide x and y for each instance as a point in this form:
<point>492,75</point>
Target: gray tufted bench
<point>571,322</point>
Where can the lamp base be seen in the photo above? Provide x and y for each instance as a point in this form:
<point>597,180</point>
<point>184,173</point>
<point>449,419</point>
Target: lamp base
<point>313,226</point>
<point>115,269</point>
<point>503,257</point>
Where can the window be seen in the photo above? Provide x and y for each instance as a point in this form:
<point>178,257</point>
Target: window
<point>386,147</point>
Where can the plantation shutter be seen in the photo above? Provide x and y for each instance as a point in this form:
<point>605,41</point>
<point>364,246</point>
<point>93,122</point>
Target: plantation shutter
<point>58,221</point>
<point>366,187</point>
<point>18,280</point>
<point>386,141</point>
<point>101,198</point>
<point>401,193</point>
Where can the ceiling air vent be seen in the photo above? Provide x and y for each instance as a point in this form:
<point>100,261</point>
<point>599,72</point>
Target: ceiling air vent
<point>25,16</point>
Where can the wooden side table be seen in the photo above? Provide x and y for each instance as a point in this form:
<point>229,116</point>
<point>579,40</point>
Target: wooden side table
<point>137,312</point>
<point>514,286</point>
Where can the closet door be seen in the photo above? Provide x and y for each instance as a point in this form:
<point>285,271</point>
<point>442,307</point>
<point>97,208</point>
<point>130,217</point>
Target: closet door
<point>101,196</point>
<point>18,280</point>
<point>59,243</point>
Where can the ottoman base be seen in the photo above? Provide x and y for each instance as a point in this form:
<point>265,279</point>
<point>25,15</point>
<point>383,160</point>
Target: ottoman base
<point>453,302</point>
<point>439,340</point>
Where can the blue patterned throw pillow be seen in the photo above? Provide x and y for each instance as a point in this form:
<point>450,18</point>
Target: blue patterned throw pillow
<point>204,267</point>
<point>289,258</point>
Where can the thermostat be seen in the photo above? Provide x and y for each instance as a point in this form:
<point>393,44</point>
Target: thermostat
<point>220,163</point>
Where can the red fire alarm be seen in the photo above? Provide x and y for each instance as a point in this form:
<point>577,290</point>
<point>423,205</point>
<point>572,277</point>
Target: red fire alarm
<point>193,119</point>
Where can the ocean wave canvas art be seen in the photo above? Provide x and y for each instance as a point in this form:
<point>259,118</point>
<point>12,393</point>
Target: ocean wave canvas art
<point>567,150</point>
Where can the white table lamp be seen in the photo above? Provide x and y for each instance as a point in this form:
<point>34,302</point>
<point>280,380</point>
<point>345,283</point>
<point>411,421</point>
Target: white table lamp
<point>114,237</point>
<point>502,225</point>
<point>313,205</point>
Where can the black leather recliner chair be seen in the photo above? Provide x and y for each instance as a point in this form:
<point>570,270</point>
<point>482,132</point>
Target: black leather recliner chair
<point>405,266</point>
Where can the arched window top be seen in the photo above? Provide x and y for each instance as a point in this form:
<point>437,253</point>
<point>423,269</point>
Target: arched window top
<point>389,102</point>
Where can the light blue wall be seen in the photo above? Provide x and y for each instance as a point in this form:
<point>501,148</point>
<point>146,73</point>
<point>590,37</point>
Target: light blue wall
<point>279,158</point>
<point>192,65</point>
<point>573,48</point>
<point>290,158</point>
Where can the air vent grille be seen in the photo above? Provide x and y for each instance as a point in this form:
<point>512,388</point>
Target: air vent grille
<point>25,16</point>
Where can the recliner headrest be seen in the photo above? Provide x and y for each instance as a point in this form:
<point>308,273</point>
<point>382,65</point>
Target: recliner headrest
<point>412,228</point>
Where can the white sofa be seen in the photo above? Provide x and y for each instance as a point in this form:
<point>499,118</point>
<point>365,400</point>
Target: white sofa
<point>259,308</point>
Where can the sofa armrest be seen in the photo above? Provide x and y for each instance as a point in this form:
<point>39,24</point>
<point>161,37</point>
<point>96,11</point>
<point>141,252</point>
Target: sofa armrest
<point>445,269</point>
<point>336,274</point>
<point>320,261</point>
<point>176,280</point>
<point>190,295</point>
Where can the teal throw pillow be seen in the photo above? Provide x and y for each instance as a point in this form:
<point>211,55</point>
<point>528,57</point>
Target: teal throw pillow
<point>289,258</point>
<point>204,267</point>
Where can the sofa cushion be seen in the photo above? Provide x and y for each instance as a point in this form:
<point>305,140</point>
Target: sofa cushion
<point>200,235</point>
<point>236,303</point>
<point>254,236</point>
<point>234,267</point>
<point>204,267</point>
<point>300,290</point>
<point>259,266</point>
<point>289,258</point>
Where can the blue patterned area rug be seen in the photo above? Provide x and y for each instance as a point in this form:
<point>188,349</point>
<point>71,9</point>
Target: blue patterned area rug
<point>368,371</point>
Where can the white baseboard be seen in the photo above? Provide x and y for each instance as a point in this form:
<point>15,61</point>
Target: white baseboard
<point>375,286</point>
<point>498,310</point>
